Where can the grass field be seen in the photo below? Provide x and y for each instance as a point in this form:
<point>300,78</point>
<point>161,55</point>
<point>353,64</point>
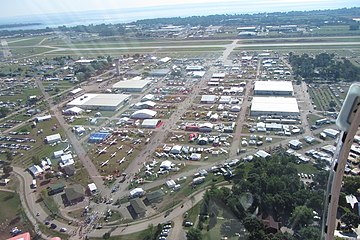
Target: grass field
<point>11,215</point>
<point>306,168</point>
<point>322,96</point>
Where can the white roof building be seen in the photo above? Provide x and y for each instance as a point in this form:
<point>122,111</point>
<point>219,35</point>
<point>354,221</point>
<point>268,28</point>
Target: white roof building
<point>143,114</point>
<point>132,85</point>
<point>274,106</point>
<point>107,102</point>
<point>148,97</point>
<point>35,170</point>
<point>262,154</point>
<point>92,187</point>
<point>166,164</point>
<point>176,149</point>
<point>53,138</point>
<point>76,90</point>
<point>208,99</point>
<point>170,183</point>
<point>195,156</point>
<point>66,160</point>
<point>331,132</point>
<point>58,154</point>
<point>136,192</point>
<point>273,88</point>
<point>144,105</point>
<point>43,118</point>
<point>218,75</point>
<point>73,111</point>
<point>150,123</point>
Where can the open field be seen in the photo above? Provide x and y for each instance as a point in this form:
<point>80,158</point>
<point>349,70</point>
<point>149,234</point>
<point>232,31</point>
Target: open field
<point>11,215</point>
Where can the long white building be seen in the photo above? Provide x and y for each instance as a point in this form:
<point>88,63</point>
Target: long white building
<point>106,102</point>
<point>281,106</point>
<point>284,88</point>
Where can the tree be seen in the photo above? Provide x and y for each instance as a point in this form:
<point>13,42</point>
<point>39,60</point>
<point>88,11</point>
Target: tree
<point>4,112</point>
<point>252,224</point>
<point>106,235</point>
<point>310,233</point>
<point>8,169</point>
<point>9,156</point>
<point>301,217</point>
<point>350,219</point>
<point>194,234</point>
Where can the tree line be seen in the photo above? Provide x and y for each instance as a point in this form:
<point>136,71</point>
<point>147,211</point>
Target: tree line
<point>323,66</point>
<point>276,190</point>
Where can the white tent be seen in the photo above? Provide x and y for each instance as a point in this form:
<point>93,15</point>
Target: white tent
<point>143,114</point>
<point>195,156</point>
<point>166,164</point>
<point>176,149</point>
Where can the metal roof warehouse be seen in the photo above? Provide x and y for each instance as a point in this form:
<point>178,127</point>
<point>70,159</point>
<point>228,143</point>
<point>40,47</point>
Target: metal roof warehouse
<point>132,85</point>
<point>108,102</point>
<point>273,88</point>
<point>274,106</point>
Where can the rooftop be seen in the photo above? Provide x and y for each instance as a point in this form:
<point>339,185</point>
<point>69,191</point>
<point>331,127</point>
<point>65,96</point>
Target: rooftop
<point>274,104</point>
<point>285,86</point>
<point>131,84</point>
<point>92,99</point>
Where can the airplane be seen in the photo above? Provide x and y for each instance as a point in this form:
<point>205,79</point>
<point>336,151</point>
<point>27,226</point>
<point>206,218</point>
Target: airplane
<point>148,168</point>
<point>101,151</point>
<point>137,141</point>
<point>154,163</point>
<point>119,148</point>
<point>113,142</point>
<point>223,150</point>
<point>122,160</point>
<point>177,137</point>
<point>113,155</point>
<point>104,163</point>
<point>158,154</point>
<point>130,151</point>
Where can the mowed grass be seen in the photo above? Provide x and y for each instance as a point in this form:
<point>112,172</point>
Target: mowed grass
<point>11,214</point>
<point>31,41</point>
<point>139,44</point>
<point>306,168</point>
<point>39,148</point>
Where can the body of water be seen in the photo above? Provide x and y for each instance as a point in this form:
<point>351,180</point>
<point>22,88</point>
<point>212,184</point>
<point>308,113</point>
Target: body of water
<point>132,14</point>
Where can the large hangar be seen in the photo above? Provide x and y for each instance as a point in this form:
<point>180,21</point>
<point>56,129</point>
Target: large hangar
<point>284,88</point>
<point>281,106</point>
<point>132,85</point>
<point>106,102</point>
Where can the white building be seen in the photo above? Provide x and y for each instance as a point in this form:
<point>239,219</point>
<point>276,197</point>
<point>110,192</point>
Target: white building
<point>53,138</point>
<point>92,188</point>
<point>274,106</point>
<point>43,118</point>
<point>35,170</point>
<point>210,99</point>
<point>132,85</point>
<point>143,114</point>
<point>137,192</point>
<point>273,88</point>
<point>150,123</point>
<point>107,102</point>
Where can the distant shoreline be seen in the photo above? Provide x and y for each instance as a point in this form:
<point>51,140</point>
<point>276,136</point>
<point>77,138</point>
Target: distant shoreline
<point>18,25</point>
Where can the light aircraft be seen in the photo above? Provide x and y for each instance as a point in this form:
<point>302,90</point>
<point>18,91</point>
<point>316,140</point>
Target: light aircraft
<point>104,163</point>
<point>101,151</point>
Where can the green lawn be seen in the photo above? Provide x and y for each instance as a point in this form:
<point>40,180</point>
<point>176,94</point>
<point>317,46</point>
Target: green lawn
<point>307,168</point>
<point>12,215</point>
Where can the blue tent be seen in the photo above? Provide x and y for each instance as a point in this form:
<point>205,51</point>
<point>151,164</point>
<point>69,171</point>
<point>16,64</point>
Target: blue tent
<point>98,137</point>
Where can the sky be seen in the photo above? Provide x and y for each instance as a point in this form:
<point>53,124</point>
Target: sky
<point>33,7</point>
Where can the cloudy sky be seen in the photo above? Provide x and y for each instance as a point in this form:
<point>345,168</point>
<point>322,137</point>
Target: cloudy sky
<point>32,7</point>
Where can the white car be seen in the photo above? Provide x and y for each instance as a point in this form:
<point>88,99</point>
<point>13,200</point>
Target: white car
<point>63,229</point>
